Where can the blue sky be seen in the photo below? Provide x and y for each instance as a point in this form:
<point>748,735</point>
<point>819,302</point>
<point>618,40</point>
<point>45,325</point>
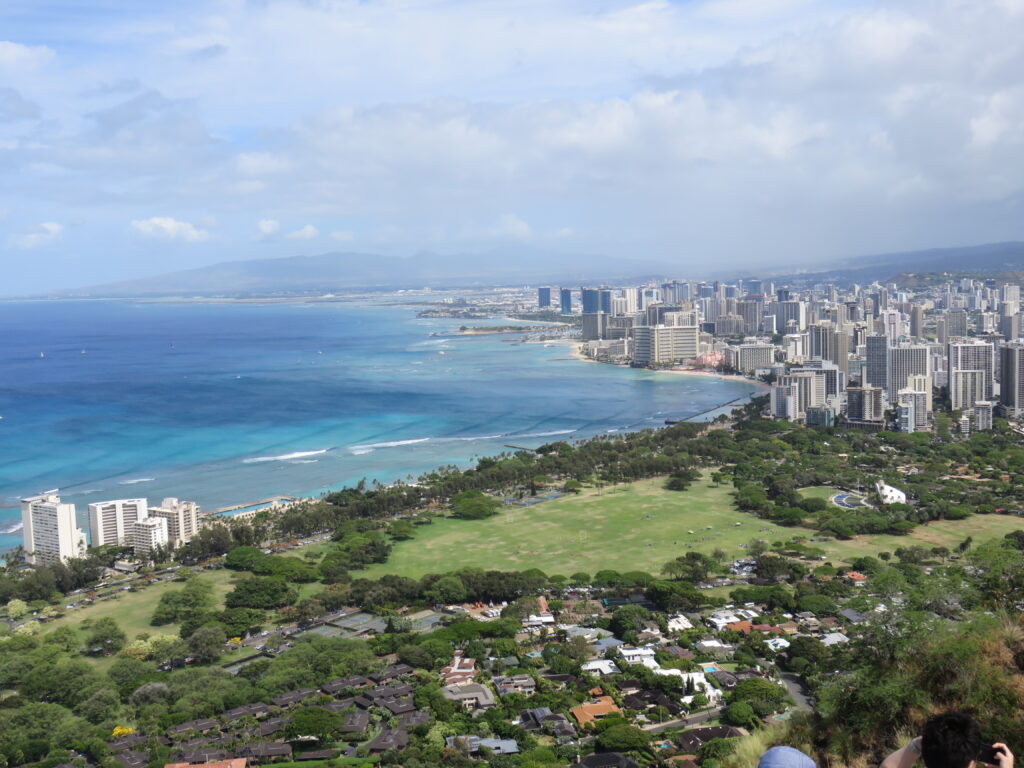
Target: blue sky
<point>136,138</point>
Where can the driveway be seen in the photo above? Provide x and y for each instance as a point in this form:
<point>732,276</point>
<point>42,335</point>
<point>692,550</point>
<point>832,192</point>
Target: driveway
<point>797,689</point>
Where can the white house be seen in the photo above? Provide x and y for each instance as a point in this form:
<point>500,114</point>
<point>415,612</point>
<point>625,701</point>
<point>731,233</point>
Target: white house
<point>890,495</point>
<point>602,667</point>
<point>679,623</point>
<point>777,643</point>
<point>644,656</point>
<point>834,638</point>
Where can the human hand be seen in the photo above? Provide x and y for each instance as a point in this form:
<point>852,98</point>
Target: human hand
<point>1004,757</point>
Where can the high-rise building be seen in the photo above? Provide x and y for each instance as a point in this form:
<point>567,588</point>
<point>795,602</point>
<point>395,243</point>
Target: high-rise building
<point>830,343</point>
<point>590,300</point>
<point>50,530</point>
<point>1011,388</point>
<point>565,300</point>
<point>594,325</point>
<point>918,400</point>
<point>905,361</point>
<point>956,323</point>
<point>973,356</point>
<point>1009,326</point>
<point>917,321</point>
<point>109,520</point>
<point>865,404</point>
<point>965,389</point>
<point>148,534</point>
<point>983,416</point>
<point>877,358</point>
<point>182,519</point>
<point>605,296</point>
<point>748,357</point>
<point>544,297</point>
<point>658,344</point>
<point>809,386</point>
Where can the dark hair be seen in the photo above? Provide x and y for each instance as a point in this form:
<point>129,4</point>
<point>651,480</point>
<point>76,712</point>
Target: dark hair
<point>950,740</point>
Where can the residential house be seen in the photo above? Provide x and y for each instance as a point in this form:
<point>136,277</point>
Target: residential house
<point>596,709</point>
<point>834,638</point>
<point>522,683</point>
<point>390,738</point>
<point>606,760</point>
<point>471,695</point>
<point>693,740</point>
<point>460,670</point>
<point>472,745</point>
<point>602,667</point>
<point>679,623</point>
<point>266,752</point>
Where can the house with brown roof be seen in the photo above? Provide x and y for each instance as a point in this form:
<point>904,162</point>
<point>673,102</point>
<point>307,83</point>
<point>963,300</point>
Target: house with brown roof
<point>597,709</point>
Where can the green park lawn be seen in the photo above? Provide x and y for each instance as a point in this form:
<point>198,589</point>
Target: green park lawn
<point>638,526</point>
<point>133,610</point>
<point>825,492</point>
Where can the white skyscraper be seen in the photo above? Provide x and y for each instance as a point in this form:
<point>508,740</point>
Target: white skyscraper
<point>182,519</point>
<point>147,534</point>
<point>973,356</point>
<point>50,530</point>
<point>906,361</point>
<point>109,521</point>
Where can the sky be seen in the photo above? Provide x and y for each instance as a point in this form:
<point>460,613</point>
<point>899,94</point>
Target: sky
<point>139,137</point>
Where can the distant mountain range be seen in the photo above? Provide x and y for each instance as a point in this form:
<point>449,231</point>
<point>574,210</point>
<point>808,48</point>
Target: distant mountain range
<point>336,272</point>
<point>332,272</point>
<point>991,258</point>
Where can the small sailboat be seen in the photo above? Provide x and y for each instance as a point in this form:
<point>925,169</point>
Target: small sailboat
<point>83,351</point>
<point>42,354</point>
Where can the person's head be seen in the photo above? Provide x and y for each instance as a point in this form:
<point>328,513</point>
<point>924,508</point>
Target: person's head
<point>785,757</point>
<point>950,740</point>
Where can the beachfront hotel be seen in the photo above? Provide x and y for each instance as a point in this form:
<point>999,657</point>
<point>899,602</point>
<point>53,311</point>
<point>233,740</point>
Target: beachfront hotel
<point>182,519</point>
<point>110,521</point>
<point>50,530</point>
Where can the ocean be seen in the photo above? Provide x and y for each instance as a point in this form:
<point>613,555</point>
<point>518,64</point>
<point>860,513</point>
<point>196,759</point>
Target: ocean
<point>234,402</point>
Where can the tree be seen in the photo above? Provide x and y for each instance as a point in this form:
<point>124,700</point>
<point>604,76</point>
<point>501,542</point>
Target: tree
<point>716,749</point>
<point>261,592</point>
<point>206,644</point>
<point>320,723</point>
<point>105,637</point>
<point>740,714</point>
<point>16,609</point>
<point>474,505</point>
<point>446,591</point>
<point>623,738</point>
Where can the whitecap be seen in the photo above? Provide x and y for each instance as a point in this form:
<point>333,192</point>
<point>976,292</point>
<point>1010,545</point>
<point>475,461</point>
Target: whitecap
<point>137,480</point>
<point>547,434</point>
<point>391,444</point>
<point>283,457</point>
<point>13,529</point>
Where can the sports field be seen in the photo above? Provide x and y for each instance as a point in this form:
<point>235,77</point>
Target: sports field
<point>639,526</point>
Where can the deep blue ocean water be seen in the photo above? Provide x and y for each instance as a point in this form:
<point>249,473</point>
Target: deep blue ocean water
<point>228,403</point>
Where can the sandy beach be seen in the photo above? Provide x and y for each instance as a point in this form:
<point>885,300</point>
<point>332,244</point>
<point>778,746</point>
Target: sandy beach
<point>575,349</point>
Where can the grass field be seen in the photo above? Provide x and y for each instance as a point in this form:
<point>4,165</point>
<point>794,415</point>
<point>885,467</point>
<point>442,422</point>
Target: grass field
<point>637,527</point>
<point>825,492</point>
<point>133,610</point>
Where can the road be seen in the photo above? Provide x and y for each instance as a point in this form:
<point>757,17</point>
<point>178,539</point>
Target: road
<point>683,722</point>
<point>797,689</point>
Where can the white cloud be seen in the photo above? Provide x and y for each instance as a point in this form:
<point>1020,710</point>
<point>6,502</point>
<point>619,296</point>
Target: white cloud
<point>45,234</point>
<point>166,228</point>
<point>17,56</point>
<point>308,232</point>
<point>269,227</point>
<point>728,130</point>
<point>261,164</point>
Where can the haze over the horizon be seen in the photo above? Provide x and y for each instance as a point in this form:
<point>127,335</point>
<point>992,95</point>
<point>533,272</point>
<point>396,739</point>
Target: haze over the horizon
<point>137,138</point>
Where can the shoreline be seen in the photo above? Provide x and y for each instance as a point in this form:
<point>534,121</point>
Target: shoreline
<point>576,351</point>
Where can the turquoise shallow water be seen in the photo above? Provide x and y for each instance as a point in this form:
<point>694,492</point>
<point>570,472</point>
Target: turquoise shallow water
<point>228,403</point>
